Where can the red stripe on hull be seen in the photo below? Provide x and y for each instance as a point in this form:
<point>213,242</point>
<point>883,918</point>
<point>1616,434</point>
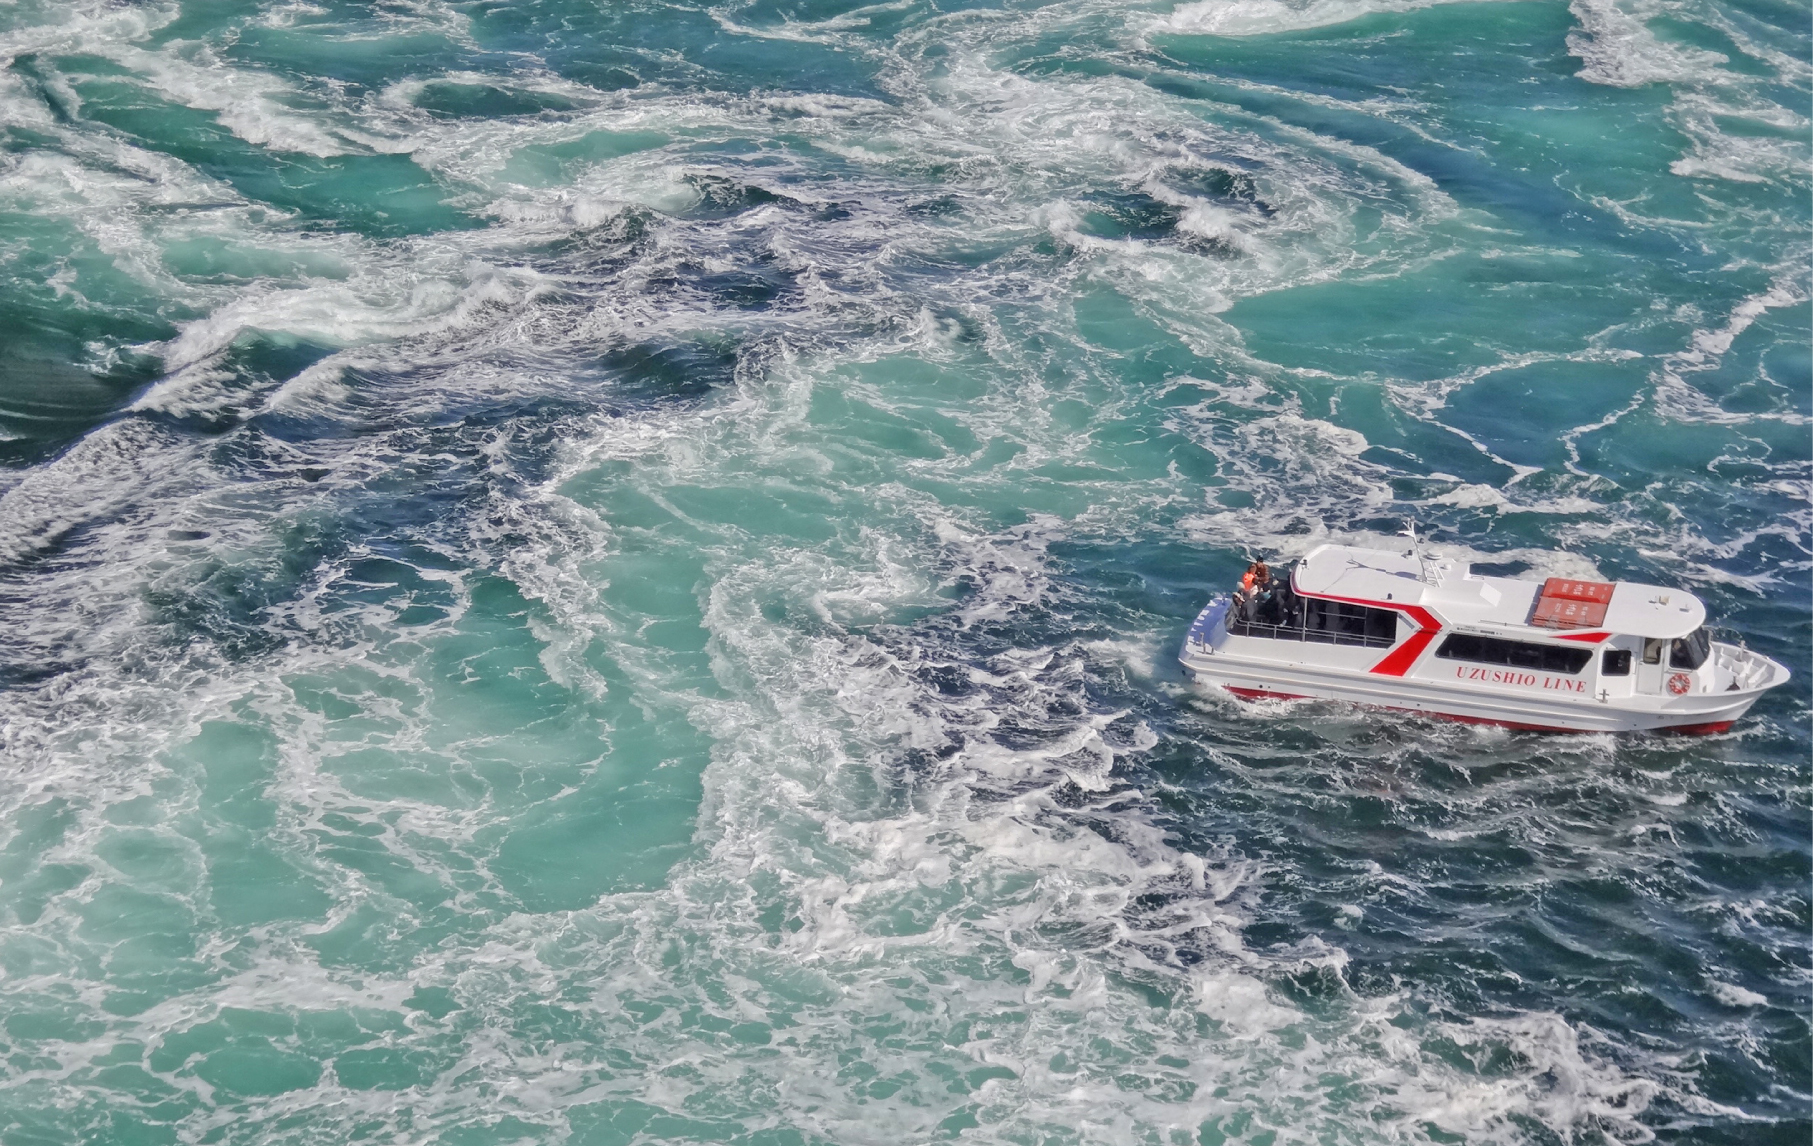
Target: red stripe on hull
<point>1511,724</point>
<point>1700,729</point>
<point>1706,729</point>
<point>1677,729</point>
<point>1398,661</point>
<point>1262,694</point>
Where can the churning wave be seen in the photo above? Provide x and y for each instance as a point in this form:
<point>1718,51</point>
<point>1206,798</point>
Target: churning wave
<point>633,606</point>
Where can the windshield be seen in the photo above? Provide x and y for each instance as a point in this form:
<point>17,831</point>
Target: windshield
<point>1690,651</point>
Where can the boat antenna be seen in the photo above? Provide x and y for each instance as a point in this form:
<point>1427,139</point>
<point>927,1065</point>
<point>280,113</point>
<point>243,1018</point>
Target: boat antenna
<point>1416,551</point>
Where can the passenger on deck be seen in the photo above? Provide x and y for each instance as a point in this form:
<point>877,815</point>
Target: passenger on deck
<point>1255,584</point>
<point>1275,601</point>
<point>1285,603</point>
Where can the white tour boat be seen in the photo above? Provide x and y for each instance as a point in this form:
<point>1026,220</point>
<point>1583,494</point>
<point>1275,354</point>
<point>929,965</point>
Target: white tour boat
<point>1408,631</point>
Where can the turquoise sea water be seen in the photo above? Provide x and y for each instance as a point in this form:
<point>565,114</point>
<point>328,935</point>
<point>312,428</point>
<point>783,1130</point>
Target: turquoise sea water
<point>592,572</point>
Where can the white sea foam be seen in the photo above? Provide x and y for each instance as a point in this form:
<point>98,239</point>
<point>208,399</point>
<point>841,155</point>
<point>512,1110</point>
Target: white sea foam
<point>1263,17</point>
<point>1734,996</point>
<point>1677,399</point>
<point>982,853</point>
<point>918,850</point>
<point>1618,46</point>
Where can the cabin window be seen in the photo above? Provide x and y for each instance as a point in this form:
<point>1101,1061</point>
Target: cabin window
<point>1340,620</point>
<point>1690,651</point>
<point>1652,651</point>
<point>1516,654</point>
<point>1616,662</point>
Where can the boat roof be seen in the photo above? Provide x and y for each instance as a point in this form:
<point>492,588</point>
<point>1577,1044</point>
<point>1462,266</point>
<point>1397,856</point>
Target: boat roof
<point>1451,590</point>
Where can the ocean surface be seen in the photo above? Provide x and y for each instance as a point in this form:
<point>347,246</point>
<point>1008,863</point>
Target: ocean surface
<point>609,571</point>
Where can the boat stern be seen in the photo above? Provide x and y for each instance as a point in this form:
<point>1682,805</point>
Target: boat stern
<point>1200,641</point>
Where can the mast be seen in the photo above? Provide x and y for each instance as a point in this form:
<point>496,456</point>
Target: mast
<point>1416,551</point>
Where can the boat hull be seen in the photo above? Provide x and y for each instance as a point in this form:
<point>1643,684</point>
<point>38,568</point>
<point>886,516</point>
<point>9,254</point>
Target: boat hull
<point>1211,658</point>
<point>1703,728</point>
<point>1253,685</point>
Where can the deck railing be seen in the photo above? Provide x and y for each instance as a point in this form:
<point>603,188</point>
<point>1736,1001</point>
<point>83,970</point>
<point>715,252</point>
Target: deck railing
<point>1746,668</point>
<point>1241,628</point>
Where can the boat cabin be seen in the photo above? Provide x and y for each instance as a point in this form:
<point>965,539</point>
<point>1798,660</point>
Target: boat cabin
<point>1596,638</point>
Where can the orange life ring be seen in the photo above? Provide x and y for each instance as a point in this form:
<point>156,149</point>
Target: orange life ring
<point>1679,683</point>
